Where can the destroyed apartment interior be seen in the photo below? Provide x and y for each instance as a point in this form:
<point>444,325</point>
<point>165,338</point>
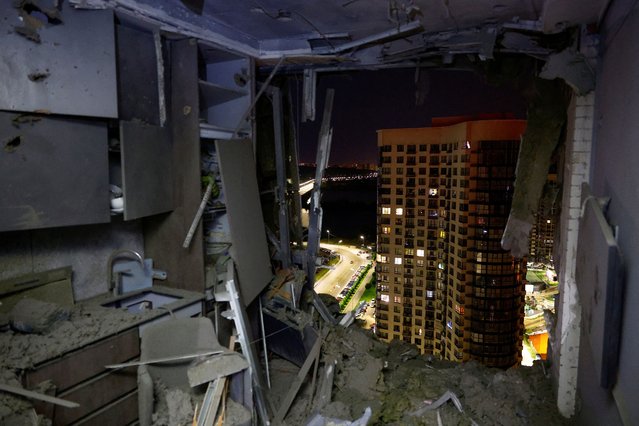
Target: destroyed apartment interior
<point>158,264</point>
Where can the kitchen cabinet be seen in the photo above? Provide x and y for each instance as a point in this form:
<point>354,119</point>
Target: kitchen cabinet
<point>147,178</point>
<point>70,71</point>
<point>225,92</point>
<point>80,376</point>
<point>54,172</point>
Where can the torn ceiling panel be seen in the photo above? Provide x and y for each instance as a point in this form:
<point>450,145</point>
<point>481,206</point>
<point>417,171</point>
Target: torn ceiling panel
<point>272,28</point>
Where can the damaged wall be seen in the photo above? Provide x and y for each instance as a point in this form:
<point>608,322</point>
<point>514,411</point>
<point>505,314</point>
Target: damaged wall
<point>566,335</point>
<point>85,248</point>
<point>615,174</point>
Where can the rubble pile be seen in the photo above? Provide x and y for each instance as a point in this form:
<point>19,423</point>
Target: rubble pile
<point>399,385</point>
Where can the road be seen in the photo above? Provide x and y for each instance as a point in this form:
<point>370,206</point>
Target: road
<point>335,280</point>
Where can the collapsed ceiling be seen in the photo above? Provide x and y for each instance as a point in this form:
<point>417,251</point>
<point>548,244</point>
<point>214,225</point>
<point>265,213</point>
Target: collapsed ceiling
<point>364,32</point>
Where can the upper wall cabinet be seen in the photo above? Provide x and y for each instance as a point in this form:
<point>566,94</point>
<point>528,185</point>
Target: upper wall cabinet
<point>147,181</point>
<point>140,96</point>
<point>225,86</point>
<point>59,62</point>
<point>54,172</point>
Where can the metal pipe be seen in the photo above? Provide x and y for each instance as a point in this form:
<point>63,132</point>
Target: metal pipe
<point>259,94</point>
<point>268,374</point>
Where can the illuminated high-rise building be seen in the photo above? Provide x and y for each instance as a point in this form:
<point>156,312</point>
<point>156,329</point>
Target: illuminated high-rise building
<point>444,283</point>
<point>542,234</point>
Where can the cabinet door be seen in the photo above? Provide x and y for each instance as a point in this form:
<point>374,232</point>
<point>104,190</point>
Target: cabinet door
<point>70,71</point>
<point>138,91</point>
<point>54,172</point>
<point>147,181</point>
<point>248,235</point>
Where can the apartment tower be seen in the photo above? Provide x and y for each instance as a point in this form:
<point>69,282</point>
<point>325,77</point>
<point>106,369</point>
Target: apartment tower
<point>542,234</point>
<point>443,282</point>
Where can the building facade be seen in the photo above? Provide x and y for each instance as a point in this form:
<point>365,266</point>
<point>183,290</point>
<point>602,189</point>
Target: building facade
<point>443,282</point>
<point>542,234</point>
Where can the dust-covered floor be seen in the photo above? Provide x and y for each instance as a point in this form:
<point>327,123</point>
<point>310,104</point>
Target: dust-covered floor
<point>395,381</point>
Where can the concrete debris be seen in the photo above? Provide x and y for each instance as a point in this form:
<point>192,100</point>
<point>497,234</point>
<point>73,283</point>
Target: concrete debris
<point>215,367</point>
<point>394,379</point>
<point>573,68</point>
<point>173,406</point>
<point>236,414</point>
<point>546,118</point>
<point>319,420</point>
<point>85,325</point>
<point>34,17</point>
<point>35,316</point>
<point>16,410</point>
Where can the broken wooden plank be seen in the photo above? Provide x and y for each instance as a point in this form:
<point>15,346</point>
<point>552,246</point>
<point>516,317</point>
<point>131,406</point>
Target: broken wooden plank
<point>37,395</point>
<point>163,360</point>
<point>297,383</point>
<point>211,402</point>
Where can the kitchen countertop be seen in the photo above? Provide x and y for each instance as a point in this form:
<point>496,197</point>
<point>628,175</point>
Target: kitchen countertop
<point>89,322</point>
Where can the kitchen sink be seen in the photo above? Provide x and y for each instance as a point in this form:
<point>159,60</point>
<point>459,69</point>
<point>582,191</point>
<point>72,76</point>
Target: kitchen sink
<point>141,301</point>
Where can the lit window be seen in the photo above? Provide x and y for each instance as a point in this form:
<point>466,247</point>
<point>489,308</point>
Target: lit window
<point>442,234</point>
<point>420,252</point>
<point>399,211</point>
<point>429,294</point>
<point>386,229</point>
<point>383,259</point>
<point>432,191</point>
<point>398,261</point>
<point>397,299</point>
<point>385,298</point>
<point>386,210</point>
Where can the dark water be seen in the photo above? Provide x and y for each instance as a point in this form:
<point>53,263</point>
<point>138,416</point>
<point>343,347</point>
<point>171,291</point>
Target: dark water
<point>350,210</point>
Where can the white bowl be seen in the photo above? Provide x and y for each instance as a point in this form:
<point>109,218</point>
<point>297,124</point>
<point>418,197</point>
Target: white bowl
<point>117,203</point>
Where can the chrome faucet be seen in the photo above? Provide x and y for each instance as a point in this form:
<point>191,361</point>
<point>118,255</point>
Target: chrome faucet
<point>123,253</point>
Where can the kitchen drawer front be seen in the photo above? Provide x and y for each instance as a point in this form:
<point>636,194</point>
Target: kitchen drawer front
<point>82,364</point>
<point>95,394</point>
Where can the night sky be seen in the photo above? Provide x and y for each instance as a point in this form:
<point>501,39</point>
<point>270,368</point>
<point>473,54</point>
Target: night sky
<point>366,101</point>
